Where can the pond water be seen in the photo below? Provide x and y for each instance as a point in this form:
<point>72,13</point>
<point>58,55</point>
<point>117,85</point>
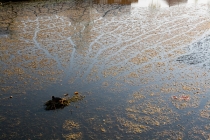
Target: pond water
<point>142,67</point>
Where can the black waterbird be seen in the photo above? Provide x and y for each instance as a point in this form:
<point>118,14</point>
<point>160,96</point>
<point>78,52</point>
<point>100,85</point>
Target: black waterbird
<point>56,99</point>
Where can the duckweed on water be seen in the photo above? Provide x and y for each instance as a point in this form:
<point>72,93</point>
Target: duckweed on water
<point>72,125</point>
<point>205,113</point>
<point>2,118</point>
<point>69,125</point>
<point>167,134</point>
<point>52,105</point>
<point>74,136</point>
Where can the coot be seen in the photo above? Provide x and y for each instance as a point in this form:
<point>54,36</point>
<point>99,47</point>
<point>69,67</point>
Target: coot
<point>56,99</point>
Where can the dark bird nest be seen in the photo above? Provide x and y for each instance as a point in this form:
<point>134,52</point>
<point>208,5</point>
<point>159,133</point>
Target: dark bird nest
<point>60,103</point>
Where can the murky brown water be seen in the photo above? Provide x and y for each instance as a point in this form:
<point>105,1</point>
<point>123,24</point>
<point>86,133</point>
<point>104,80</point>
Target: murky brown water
<point>143,68</point>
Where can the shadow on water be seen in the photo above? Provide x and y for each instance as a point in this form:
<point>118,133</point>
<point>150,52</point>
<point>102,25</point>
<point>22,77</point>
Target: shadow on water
<point>144,75</point>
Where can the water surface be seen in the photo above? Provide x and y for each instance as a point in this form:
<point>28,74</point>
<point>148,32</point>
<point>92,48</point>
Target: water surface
<point>142,67</point>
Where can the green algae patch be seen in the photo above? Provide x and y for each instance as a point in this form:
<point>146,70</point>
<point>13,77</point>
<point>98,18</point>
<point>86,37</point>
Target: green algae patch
<point>52,105</point>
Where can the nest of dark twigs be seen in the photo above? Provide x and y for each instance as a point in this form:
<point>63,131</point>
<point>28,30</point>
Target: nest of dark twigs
<point>52,105</point>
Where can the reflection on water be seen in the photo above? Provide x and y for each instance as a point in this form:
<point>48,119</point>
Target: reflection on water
<point>167,3</point>
<point>144,75</point>
<point>123,2</point>
<point>143,3</point>
<point>159,3</point>
<point>198,1</point>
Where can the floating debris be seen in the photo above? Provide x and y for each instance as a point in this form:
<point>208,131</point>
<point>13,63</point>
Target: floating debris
<point>66,94</point>
<point>60,103</point>
<point>185,101</point>
<point>103,129</point>
<point>185,97</point>
<point>11,97</point>
<point>174,97</point>
<point>181,97</point>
